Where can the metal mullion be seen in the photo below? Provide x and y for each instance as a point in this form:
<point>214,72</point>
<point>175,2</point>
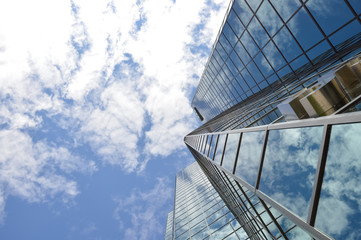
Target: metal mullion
<point>274,220</point>
<point>254,114</point>
<point>254,209</point>
<point>262,158</point>
<point>344,25</point>
<point>284,24</point>
<point>249,88</point>
<point>291,216</point>
<point>224,149</point>
<point>262,117</point>
<point>353,117</point>
<point>353,11</point>
<point>210,145</point>
<point>226,85</point>
<point>318,26</point>
<point>237,153</point>
<point>317,186</point>
<point>250,187</point>
<point>205,143</point>
<point>215,148</point>
<point>246,210</point>
<point>271,38</point>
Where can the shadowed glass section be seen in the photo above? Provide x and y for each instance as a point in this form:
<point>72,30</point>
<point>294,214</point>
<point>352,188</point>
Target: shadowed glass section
<point>289,167</point>
<point>231,151</point>
<point>339,210</point>
<point>220,146</point>
<point>249,156</point>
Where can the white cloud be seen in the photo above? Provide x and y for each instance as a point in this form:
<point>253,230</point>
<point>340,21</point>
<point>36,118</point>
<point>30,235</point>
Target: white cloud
<point>31,170</point>
<point>143,208</point>
<point>114,75</point>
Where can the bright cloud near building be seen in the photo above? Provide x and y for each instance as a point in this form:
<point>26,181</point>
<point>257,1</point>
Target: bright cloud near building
<point>87,86</point>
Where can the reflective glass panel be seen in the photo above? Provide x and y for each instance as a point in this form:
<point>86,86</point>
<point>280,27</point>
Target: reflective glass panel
<point>230,151</point>
<point>258,33</point>
<point>339,209</point>
<point>348,31</point>
<point>265,13</point>
<point>254,4</point>
<point>243,55</point>
<point>356,5</point>
<point>330,14</point>
<point>257,76</point>
<point>243,11</point>
<point>273,56</point>
<point>213,145</point>
<point>249,156</point>
<point>208,137</point>
<point>234,23</point>
<point>286,8</point>
<point>220,147</point>
<point>287,44</point>
<point>289,167</point>
<point>263,65</point>
<point>304,29</point>
<point>249,44</point>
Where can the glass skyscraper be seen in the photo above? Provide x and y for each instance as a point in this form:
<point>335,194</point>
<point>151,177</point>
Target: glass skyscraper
<point>279,100</point>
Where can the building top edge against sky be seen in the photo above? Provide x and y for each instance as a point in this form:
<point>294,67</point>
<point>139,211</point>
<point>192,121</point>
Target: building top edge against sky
<point>266,45</point>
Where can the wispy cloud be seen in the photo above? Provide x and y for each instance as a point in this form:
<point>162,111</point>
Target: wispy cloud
<point>144,210</point>
<point>35,171</point>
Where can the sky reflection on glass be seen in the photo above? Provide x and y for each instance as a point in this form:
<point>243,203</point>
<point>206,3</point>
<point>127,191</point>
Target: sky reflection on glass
<point>220,146</point>
<point>339,210</point>
<point>249,156</point>
<point>231,151</point>
<point>289,166</point>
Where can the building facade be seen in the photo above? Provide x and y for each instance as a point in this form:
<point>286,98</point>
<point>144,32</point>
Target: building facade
<point>199,211</point>
<point>279,102</point>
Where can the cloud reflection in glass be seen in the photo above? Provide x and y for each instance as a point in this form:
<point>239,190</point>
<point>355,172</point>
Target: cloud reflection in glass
<point>290,165</point>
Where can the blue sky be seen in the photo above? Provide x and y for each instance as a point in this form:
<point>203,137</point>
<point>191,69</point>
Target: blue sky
<point>95,102</point>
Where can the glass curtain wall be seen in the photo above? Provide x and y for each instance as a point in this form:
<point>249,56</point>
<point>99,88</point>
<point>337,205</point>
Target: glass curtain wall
<point>265,45</point>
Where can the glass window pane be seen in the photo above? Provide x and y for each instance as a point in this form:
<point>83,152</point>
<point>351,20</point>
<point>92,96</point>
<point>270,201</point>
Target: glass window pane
<point>254,4</point>
<point>243,55</point>
<point>213,144</point>
<point>286,8</point>
<point>249,44</point>
<point>273,56</point>
<point>237,62</point>
<point>249,156</point>
<point>304,29</point>
<point>287,44</point>
<point>258,33</point>
<point>339,210</point>
<point>345,33</point>
<point>247,77</point>
<point>235,24</point>
<point>356,5</point>
<point>257,76</point>
<point>269,18</point>
<point>290,165</point>
<point>330,14</point>
<point>242,10</point>
<point>242,83</point>
<point>230,151</point>
<point>227,47</point>
<point>220,147</point>
<point>264,66</point>
<point>207,144</point>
